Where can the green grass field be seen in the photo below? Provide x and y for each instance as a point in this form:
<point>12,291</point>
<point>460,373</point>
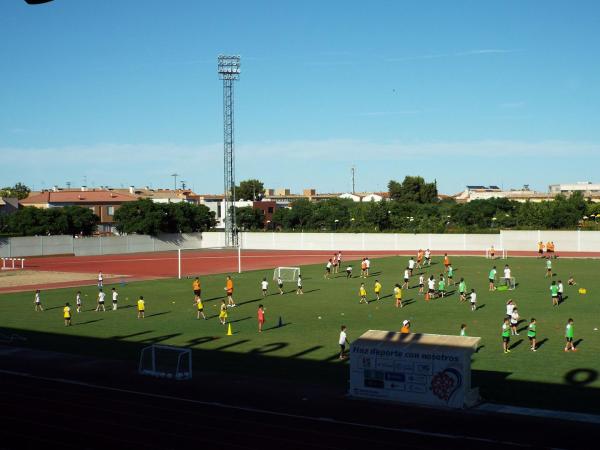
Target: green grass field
<point>305,348</point>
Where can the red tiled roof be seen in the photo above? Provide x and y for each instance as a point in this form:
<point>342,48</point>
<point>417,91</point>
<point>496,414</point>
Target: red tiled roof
<point>78,197</point>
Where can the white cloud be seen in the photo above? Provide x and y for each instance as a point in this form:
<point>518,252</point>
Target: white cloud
<point>351,149</point>
<point>298,163</point>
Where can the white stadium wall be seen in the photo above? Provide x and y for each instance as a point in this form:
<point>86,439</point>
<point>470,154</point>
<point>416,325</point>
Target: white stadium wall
<point>363,241</point>
<point>565,241</point>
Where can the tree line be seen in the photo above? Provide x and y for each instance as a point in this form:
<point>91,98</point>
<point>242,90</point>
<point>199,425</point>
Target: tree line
<point>413,207</point>
<point>141,217</point>
<point>31,221</point>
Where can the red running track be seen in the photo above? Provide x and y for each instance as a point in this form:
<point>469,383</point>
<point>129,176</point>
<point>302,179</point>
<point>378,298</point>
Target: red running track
<point>142,266</point>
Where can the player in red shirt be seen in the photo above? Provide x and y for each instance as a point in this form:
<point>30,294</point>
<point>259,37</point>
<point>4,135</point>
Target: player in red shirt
<point>261,317</point>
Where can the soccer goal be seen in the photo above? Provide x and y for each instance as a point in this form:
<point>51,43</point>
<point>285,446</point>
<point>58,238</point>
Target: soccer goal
<point>286,273</point>
<point>165,361</point>
<point>192,260</point>
<point>499,253</point>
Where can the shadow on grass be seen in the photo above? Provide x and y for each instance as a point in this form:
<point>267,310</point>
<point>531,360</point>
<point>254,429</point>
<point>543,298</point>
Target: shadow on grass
<point>515,344</point>
<point>311,290</point>
<point>539,344</point>
<point>87,322</point>
<point>267,362</point>
<point>131,335</point>
<point>157,314</point>
<point>274,327</point>
<point>157,339</point>
<point>239,320</point>
<point>480,307</point>
<point>54,307</point>
<point>261,298</point>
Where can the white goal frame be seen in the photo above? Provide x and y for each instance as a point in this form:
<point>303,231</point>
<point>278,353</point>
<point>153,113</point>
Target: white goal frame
<point>277,273</point>
<point>499,253</point>
<point>179,373</point>
<point>239,256</point>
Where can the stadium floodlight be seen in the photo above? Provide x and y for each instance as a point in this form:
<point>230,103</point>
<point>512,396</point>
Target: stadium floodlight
<point>229,71</point>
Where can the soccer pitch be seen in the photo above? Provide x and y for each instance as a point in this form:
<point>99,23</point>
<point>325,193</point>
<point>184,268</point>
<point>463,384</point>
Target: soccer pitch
<point>305,347</point>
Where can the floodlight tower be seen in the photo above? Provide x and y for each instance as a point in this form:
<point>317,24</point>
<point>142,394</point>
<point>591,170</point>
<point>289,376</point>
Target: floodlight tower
<point>229,71</point>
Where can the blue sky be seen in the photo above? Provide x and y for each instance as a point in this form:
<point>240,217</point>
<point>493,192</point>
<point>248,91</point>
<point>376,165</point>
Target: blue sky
<point>465,92</point>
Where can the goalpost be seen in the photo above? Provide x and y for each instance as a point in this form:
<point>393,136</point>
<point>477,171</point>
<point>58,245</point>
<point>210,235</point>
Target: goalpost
<point>165,361</point>
<point>186,257</point>
<point>498,253</point>
<point>286,273</point>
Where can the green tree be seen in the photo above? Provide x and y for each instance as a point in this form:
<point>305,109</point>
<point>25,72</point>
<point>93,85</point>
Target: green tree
<point>19,190</point>
<point>301,214</point>
<point>140,217</point>
<point>146,217</point>
<point>80,220</point>
<point>249,218</point>
<point>250,190</point>
<point>31,221</point>
<point>413,189</point>
<point>281,218</point>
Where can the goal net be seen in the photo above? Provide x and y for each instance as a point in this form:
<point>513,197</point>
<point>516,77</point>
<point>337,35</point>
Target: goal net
<point>165,361</point>
<point>497,253</point>
<point>194,261</point>
<point>286,273</point>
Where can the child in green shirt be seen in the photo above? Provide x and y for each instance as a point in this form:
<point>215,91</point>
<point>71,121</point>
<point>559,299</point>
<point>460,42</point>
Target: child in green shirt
<point>569,333</point>
<point>442,286</point>
<point>462,290</point>
<point>505,335</point>
<point>554,293</point>
<point>531,334</point>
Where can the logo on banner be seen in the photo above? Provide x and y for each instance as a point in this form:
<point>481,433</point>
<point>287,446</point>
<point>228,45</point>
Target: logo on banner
<point>445,384</point>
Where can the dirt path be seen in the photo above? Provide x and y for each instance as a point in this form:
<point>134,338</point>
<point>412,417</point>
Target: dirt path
<point>18,278</point>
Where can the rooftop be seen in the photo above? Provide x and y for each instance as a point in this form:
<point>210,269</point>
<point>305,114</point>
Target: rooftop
<point>73,196</point>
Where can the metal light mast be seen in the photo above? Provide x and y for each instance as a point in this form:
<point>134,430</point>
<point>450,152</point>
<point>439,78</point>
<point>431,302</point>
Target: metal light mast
<point>229,71</point>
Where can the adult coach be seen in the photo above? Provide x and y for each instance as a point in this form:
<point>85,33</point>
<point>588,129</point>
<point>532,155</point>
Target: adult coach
<point>196,287</point>
<point>229,291</point>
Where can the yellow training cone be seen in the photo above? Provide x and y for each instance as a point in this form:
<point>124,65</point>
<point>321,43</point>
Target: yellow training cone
<point>229,333</point>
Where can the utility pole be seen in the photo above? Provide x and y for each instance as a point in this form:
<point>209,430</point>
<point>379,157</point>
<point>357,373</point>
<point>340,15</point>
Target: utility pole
<point>353,170</point>
<point>175,175</point>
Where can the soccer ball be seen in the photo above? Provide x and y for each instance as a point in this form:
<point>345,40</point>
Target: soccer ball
<point>319,317</point>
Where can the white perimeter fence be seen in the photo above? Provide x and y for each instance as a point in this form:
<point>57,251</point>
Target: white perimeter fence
<point>575,241</point>
<point>61,245</point>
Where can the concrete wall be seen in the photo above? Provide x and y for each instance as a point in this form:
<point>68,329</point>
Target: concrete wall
<point>360,241</point>
<point>587,241</point>
<point>57,245</point>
